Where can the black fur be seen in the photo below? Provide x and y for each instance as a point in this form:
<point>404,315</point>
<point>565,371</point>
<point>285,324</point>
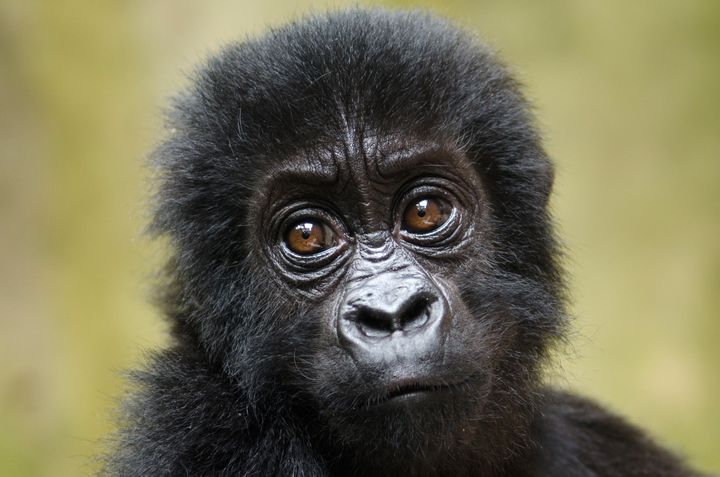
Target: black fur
<point>248,386</point>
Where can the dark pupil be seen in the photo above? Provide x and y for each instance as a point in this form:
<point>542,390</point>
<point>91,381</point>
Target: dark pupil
<point>421,207</point>
<point>305,230</point>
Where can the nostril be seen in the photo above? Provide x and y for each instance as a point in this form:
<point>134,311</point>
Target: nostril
<point>416,313</point>
<point>374,322</point>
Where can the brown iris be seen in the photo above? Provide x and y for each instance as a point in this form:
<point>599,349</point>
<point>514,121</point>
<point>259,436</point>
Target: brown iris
<point>307,238</point>
<point>425,215</point>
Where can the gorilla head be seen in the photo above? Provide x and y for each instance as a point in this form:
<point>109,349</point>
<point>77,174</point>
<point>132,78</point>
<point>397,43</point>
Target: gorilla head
<point>358,206</point>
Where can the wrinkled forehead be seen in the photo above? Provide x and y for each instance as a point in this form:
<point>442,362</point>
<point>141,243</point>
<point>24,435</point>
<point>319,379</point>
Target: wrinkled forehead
<point>366,158</point>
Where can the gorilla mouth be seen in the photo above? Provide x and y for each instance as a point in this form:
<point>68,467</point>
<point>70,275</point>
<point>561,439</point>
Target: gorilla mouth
<point>417,388</point>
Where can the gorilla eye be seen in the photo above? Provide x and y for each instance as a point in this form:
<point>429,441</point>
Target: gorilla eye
<point>425,215</point>
<point>308,238</point>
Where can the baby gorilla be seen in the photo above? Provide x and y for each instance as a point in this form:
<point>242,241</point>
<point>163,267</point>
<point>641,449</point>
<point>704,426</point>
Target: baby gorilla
<point>364,277</point>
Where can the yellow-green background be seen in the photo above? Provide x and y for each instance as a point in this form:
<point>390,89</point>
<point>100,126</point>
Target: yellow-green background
<point>628,94</point>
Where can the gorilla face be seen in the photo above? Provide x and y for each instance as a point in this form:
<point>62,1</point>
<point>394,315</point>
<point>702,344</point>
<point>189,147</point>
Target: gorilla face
<point>371,240</point>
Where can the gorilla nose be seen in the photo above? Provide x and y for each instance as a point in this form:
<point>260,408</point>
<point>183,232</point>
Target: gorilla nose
<point>392,318</point>
<point>383,318</point>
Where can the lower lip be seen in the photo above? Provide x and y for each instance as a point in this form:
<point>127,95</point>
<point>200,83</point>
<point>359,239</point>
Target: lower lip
<point>416,397</point>
<point>420,394</point>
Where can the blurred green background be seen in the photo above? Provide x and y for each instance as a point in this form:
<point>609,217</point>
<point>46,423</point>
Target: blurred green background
<point>628,94</point>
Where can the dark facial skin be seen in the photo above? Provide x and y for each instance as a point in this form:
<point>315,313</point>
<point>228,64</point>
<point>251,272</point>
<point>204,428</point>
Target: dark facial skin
<point>384,286</point>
